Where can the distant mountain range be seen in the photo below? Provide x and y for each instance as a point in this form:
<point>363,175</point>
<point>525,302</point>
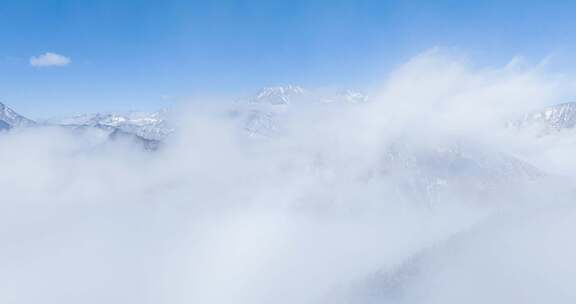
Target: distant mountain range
<point>425,174</point>
<point>151,126</point>
<point>142,128</point>
<point>260,115</point>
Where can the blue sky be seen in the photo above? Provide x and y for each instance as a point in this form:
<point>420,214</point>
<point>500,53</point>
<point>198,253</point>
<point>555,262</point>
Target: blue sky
<point>128,54</point>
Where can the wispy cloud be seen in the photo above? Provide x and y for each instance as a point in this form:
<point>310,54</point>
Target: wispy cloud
<point>49,60</point>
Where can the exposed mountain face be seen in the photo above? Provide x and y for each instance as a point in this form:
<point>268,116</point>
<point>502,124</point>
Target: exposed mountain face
<point>443,173</point>
<point>4,126</point>
<point>102,134</point>
<point>550,119</point>
<point>432,175</point>
<point>10,119</point>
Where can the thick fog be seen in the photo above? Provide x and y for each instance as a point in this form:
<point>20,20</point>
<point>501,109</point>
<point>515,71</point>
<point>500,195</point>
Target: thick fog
<point>423,194</point>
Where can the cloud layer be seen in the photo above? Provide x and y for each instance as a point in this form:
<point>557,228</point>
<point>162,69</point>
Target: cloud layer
<point>309,216</point>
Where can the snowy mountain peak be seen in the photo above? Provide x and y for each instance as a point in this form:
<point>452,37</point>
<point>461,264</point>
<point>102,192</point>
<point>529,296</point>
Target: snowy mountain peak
<point>263,113</point>
<point>12,119</point>
<point>346,96</point>
<point>553,118</point>
<point>278,95</point>
<point>151,126</point>
<point>354,96</point>
<point>560,116</point>
<point>113,119</point>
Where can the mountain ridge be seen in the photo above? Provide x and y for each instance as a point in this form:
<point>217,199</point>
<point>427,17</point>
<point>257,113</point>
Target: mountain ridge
<point>11,119</point>
<point>550,119</point>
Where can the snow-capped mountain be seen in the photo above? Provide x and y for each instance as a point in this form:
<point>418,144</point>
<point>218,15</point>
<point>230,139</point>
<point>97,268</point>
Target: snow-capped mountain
<point>151,126</point>
<point>260,114</point>
<point>10,119</point>
<point>263,113</point>
<point>424,174</point>
<point>292,94</point>
<point>100,127</point>
<point>550,119</point>
<point>98,135</point>
<point>429,174</point>
<point>346,96</point>
<point>279,95</point>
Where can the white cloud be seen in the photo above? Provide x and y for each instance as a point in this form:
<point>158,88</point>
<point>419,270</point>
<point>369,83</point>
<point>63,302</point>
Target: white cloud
<point>49,59</point>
